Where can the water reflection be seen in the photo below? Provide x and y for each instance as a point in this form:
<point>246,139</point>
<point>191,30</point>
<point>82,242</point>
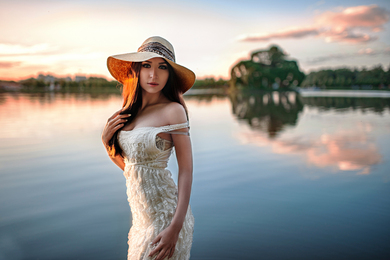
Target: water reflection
<point>53,114</point>
<point>61,196</point>
<point>269,112</point>
<point>377,105</point>
<point>337,143</point>
<point>344,151</point>
<point>205,98</point>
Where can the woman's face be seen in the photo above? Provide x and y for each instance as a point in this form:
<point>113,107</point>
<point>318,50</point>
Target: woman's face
<point>153,75</point>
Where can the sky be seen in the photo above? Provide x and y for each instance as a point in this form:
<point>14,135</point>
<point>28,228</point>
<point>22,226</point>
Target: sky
<point>68,38</point>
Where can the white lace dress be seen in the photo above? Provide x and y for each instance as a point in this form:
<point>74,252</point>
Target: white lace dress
<point>151,191</point>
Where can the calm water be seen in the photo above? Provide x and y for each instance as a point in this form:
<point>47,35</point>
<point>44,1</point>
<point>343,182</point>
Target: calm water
<point>276,176</point>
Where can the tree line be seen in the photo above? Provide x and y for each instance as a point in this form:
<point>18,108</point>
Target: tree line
<point>376,77</point>
<point>96,83</point>
<point>64,83</point>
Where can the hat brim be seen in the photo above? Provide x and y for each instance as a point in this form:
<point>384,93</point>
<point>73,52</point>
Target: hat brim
<point>119,65</point>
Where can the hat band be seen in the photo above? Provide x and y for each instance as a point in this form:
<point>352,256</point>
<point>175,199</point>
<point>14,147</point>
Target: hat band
<point>157,48</point>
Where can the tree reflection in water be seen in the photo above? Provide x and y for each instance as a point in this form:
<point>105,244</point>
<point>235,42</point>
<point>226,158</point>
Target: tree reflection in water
<point>267,111</point>
<point>377,105</point>
<point>342,146</point>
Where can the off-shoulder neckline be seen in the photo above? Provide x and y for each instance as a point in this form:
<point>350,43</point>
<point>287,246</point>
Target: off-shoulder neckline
<point>185,123</point>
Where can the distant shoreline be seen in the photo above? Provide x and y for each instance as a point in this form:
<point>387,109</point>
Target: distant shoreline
<point>344,93</point>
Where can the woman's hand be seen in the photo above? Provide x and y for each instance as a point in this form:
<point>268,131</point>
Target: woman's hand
<point>166,240</point>
<point>114,123</point>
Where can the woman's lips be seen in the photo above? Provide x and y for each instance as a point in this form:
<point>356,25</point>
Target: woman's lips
<point>153,84</point>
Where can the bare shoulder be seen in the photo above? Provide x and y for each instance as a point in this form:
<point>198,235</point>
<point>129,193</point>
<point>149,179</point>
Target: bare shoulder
<point>176,113</point>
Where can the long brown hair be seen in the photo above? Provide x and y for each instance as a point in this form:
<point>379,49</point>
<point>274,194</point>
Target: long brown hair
<point>132,98</point>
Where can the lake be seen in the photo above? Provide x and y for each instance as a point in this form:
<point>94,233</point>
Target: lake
<point>277,175</point>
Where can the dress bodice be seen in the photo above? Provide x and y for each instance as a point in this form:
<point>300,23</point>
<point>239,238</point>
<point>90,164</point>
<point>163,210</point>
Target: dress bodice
<point>142,146</point>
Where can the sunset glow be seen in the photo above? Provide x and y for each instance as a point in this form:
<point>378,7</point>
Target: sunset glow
<point>68,38</point>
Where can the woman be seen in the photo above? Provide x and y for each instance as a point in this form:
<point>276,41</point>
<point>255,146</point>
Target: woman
<point>139,139</point>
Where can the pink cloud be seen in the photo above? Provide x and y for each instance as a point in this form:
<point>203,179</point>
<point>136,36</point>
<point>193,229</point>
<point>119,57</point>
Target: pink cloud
<point>347,36</point>
<point>361,52</point>
<point>343,26</point>
<point>287,33</point>
<point>20,50</point>
<point>9,64</point>
<point>370,16</point>
<point>366,51</point>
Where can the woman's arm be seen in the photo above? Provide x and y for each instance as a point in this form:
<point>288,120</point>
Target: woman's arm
<point>168,237</point>
<point>184,160</point>
<point>114,123</point>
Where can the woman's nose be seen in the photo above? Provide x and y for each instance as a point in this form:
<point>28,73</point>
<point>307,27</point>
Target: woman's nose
<point>153,73</point>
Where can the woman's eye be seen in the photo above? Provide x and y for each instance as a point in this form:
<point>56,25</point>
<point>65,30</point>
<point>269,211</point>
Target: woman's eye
<point>164,67</point>
<point>146,65</point>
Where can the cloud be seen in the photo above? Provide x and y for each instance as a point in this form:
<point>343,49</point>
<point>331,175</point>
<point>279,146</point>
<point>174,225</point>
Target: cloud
<point>286,33</point>
<point>370,16</point>
<point>346,35</point>
<point>366,51</point>
<point>9,64</point>
<point>43,54</point>
<point>342,26</point>
<point>18,59</point>
<point>359,53</point>
<point>18,49</point>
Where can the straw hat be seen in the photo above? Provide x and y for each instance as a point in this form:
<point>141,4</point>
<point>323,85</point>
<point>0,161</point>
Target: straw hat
<point>153,47</point>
